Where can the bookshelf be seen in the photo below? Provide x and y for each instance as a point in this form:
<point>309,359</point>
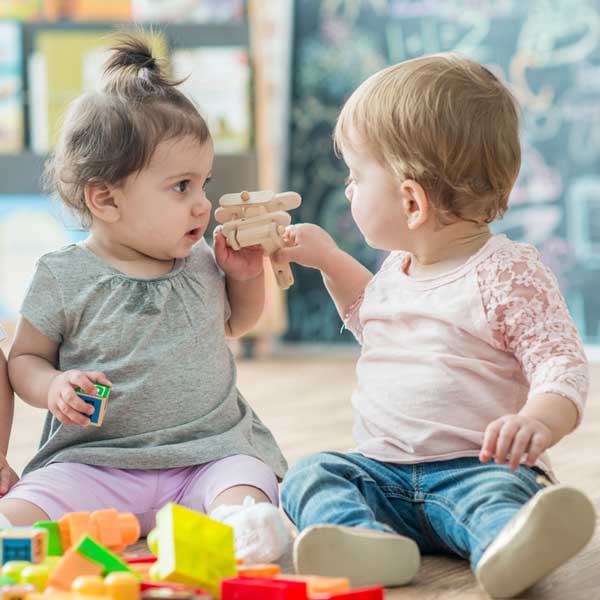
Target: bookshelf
<point>20,173</point>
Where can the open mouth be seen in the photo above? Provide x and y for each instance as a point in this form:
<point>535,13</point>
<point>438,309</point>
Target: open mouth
<point>194,233</point>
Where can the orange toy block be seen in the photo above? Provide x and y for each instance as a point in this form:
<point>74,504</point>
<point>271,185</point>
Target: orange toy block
<point>108,527</point>
<point>116,530</point>
<point>73,526</point>
<point>71,566</point>
<point>318,586</point>
<point>259,570</point>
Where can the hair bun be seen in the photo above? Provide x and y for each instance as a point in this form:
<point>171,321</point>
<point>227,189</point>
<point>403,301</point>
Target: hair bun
<point>130,51</point>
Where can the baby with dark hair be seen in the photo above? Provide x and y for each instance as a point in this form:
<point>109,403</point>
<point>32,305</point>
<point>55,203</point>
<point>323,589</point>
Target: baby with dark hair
<point>143,305</point>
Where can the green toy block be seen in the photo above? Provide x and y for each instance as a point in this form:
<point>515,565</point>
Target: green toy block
<point>102,391</point>
<point>97,553</point>
<point>191,549</point>
<point>54,543</point>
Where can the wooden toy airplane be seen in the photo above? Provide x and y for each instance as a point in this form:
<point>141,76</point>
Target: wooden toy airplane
<point>252,218</point>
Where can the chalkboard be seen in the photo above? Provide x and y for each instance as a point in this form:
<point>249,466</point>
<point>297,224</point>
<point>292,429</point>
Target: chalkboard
<point>548,51</point>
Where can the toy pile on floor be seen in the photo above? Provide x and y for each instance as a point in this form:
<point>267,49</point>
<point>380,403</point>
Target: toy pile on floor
<point>81,557</point>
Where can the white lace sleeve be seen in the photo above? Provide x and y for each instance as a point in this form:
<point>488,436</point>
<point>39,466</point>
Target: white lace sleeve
<point>529,318</point>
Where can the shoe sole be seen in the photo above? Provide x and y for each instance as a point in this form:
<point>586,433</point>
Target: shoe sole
<point>361,556</point>
<point>561,522</point>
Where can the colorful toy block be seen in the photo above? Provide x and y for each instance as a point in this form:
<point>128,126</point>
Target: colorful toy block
<point>247,588</point>
<point>109,527</point>
<point>23,543</point>
<point>54,543</point>
<point>110,562</point>
<point>71,566</point>
<point>116,586</point>
<point>169,585</point>
<point>122,586</point>
<point>316,585</point>
<point>98,401</point>
<point>258,570</point>
<point>36,575</point>
<point>13,569</point>
<point>370,593</point>
<point>88,585</point>
<point>191,548</point>
<point>16,592</point>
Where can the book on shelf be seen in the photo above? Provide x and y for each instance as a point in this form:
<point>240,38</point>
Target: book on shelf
<point>31,10</point>
<point>11,88</point>
<point>218,82</point>
<point>189,11</point>
<point>62,66</point>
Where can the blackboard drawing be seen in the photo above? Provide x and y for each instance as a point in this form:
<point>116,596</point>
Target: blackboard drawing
<point>548,51</point>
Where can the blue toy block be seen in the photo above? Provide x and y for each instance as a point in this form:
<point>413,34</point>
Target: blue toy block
<point>23,544</point>
<point>98,402</point>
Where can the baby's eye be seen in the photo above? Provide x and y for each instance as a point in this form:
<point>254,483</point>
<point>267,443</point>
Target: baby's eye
<point>181,186</point>
<point>206,182</point>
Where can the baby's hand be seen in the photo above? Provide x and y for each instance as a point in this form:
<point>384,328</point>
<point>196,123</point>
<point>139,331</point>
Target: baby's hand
<point>8,477</point>
<point>517,436</point>
<point>65,404</point>
<point>308,245</point>
<point>242,265</point>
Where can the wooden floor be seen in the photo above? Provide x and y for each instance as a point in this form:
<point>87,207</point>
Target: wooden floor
<point>305,401</point>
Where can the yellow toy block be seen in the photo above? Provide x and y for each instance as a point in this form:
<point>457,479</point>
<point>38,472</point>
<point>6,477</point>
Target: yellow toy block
<point>36,575</point>
<point>23,543</point>
<point>191,549</point>
<point>13,569</point>
<point>122,586</point>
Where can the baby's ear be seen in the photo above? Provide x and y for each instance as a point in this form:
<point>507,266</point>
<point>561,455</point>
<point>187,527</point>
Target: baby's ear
<point>415,203</point>
<point>101,202</point>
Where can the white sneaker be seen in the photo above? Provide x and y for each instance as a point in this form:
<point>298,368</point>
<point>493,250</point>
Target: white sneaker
<point>258,529</point>
<point>364,556</point>
<point>551,528</point>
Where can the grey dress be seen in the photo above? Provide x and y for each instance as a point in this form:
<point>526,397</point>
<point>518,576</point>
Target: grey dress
<point>161,342</point>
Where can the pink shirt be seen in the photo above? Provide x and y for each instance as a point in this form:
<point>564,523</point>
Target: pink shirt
<point>443,357</point>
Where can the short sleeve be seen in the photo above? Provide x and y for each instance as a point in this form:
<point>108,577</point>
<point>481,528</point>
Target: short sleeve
<point>43,305</point>
<point>529,317</point>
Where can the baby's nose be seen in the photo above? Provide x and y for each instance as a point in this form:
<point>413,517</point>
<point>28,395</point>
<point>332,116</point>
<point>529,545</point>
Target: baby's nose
<point>200,208</point>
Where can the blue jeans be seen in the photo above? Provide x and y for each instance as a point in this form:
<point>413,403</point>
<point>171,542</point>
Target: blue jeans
<point>453,506</point>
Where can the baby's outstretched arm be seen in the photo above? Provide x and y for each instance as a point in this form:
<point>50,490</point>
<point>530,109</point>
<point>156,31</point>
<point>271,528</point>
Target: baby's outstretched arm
<point>35,378</point>
<point>7,476</point>
<point>310,246</point>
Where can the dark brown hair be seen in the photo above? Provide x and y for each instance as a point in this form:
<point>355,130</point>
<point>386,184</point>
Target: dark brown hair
<point>111,133</point>
<point>448,123</point>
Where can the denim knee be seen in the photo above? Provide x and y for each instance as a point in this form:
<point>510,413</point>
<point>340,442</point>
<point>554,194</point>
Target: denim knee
<point>305,478</point>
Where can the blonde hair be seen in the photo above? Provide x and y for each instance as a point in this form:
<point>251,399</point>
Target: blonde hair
<point>109,134</point>
<point>446,122</point>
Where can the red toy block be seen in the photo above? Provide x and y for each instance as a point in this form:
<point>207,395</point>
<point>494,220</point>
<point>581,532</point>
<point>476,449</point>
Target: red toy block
<point>248,588</point>
<point>370,593</point>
